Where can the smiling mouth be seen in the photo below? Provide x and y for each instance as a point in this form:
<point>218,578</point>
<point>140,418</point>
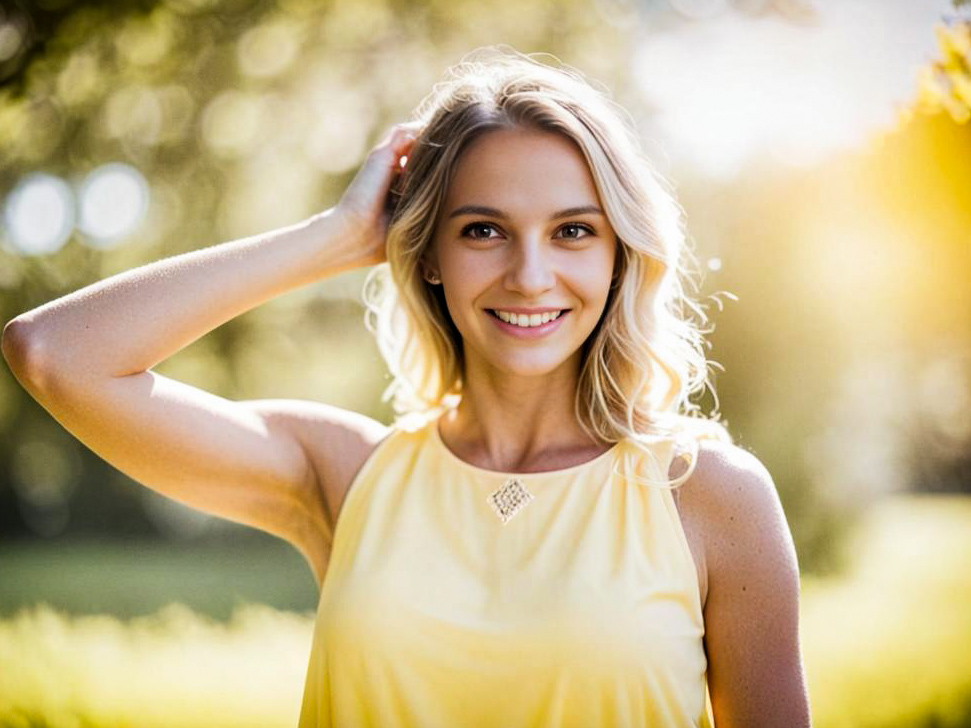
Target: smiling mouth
<point>527,321</point>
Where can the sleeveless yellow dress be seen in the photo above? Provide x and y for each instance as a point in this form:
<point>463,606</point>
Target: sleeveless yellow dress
<point>459,597</point>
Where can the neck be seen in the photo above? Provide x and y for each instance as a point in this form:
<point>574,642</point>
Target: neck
<point>518,423</point>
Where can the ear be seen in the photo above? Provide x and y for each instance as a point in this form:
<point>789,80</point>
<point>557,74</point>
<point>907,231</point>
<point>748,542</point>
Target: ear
<point>430,274</point>
<point>428,266</point>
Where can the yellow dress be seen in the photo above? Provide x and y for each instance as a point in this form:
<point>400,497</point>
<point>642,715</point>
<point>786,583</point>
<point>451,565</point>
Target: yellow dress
<point>579,610</point>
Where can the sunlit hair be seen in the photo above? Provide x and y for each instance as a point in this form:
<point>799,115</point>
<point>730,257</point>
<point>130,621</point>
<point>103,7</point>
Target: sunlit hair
<point>645,359</point>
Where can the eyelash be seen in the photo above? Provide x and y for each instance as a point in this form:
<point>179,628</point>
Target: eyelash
<point>471,226</point>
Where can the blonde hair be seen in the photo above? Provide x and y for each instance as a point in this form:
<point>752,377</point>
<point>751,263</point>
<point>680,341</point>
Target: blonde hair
<point>645,359</point>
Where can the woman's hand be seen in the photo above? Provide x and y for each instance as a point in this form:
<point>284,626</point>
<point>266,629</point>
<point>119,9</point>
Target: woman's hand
<point>364,212</point>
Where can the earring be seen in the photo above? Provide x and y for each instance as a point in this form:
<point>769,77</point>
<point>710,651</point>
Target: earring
<point>433,279</point>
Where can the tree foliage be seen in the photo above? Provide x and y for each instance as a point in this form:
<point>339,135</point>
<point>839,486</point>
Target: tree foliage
<point>945,84</point>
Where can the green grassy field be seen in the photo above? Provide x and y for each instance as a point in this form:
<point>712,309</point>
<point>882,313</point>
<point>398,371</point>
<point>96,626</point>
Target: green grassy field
<point>889,644</point>
<point>137,578</point>
<point>886,645</point>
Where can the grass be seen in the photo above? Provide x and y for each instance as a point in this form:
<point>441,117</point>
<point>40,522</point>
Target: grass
<point>885,645</point>
<point>174,668</point>
<point>138,578</point>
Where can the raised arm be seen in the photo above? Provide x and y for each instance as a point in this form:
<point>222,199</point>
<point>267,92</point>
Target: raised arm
<point>86,358</point>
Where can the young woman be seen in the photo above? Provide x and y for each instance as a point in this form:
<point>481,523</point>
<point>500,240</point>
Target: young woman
<point>550,534</point>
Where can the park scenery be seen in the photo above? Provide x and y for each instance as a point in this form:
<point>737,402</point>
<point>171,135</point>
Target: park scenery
<point>821,153</point>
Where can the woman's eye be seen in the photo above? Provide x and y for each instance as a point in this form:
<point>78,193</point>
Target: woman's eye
<point>474,228</point>
<point>573,231</point>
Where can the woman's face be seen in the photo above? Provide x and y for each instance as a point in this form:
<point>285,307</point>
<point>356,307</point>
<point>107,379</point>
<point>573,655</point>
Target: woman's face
<point>522,238</point>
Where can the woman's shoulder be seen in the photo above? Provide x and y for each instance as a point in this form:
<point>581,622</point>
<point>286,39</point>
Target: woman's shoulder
<point>726,475</point>
<point>732,500</point>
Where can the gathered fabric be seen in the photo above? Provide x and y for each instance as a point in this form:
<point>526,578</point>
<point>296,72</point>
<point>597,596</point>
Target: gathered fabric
<point>581,609</point>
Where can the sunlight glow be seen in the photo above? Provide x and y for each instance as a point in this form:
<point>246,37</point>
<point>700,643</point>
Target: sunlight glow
<point>727,88</point>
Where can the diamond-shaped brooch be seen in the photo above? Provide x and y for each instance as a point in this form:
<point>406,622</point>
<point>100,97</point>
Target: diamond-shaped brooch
<point>511,498</point>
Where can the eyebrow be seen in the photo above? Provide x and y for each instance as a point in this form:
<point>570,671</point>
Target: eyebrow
<point>493,212</point>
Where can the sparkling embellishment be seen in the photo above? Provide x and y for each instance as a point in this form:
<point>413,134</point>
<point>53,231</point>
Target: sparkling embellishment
<point>510,499</point>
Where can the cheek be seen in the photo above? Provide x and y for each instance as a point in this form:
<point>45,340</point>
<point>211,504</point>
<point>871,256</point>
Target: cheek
<point>465,268</point>
<point>462,285</point>
<point>467,276</point>
<point>593,274</point>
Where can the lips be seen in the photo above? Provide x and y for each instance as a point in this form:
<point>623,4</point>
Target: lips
<point>554,318</point>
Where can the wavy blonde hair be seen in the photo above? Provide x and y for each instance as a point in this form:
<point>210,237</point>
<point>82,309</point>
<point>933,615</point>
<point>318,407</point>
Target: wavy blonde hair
<point>645,359</point>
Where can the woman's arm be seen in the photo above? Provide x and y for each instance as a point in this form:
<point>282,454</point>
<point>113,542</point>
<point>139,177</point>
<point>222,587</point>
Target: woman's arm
<point>756,675</point>
<point>86,358</point>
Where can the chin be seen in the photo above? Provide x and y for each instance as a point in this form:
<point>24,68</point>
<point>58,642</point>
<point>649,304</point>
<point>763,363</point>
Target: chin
<point>529,366</point>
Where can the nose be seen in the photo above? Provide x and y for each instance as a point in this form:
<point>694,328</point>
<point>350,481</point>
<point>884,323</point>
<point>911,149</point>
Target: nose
<point>531,269</point>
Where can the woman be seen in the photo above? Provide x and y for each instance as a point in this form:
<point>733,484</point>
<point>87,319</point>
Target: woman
<point>524,546</point>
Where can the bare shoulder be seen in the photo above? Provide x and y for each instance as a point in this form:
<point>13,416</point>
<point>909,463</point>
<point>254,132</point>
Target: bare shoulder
<point>728,500</point>
<point>728,478</point>
<point>756,675</point>
<point>733,499</point>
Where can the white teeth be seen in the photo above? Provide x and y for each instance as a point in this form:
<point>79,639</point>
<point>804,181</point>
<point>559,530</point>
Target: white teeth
<point>528,320</point>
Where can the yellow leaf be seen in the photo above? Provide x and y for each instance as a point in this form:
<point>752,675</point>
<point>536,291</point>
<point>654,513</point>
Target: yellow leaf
<point>958,111</point>
<point>930,91</point>
<point>955,42</point>
<point>961,86</point>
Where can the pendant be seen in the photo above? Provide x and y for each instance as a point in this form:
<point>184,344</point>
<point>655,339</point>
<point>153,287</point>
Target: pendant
<point>511,498</point>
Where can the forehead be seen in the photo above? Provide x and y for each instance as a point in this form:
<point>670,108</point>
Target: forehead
<point>514,169</point>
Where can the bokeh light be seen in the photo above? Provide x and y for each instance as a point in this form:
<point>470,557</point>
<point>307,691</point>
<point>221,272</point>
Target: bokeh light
<point>269,49</point>
<point>113,202</point>
<point>11,38</point>
<point>39,214</point>
<point>233,123</point>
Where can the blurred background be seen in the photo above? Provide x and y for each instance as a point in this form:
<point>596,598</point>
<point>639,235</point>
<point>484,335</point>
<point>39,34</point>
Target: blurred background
<point>821,151</point>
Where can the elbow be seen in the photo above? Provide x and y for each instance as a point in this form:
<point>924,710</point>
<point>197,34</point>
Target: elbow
<point>21,350</point>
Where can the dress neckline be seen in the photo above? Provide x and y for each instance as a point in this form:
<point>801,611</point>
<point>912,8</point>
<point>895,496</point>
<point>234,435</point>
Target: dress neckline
<point>579,467</point>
